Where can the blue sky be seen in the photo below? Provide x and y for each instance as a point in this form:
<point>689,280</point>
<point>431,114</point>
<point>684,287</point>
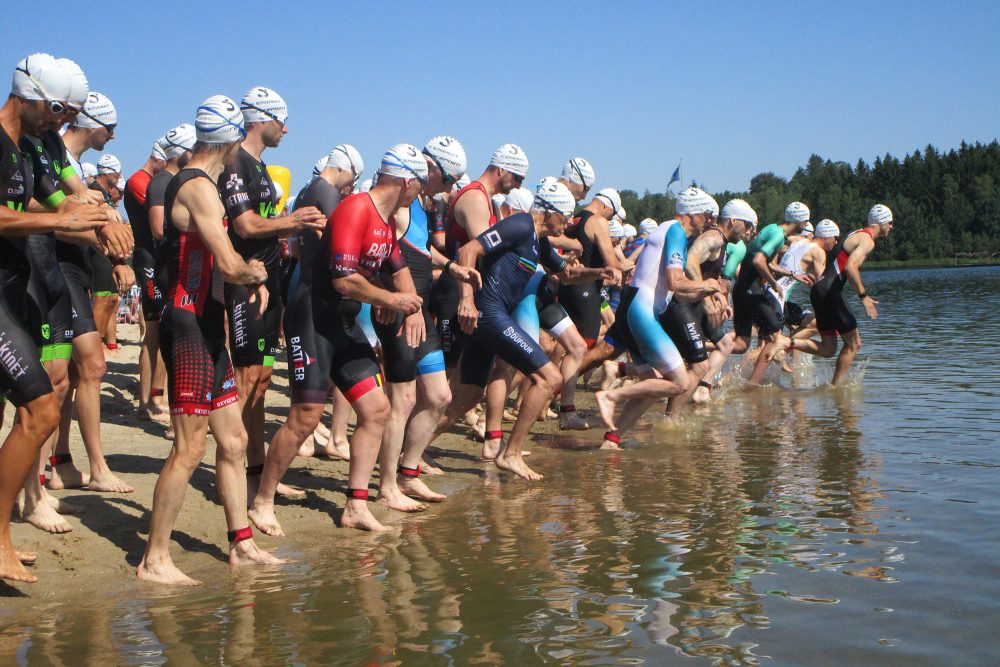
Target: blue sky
<point>732,88</point>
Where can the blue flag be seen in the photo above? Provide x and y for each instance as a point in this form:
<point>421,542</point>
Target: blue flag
<point>676,177</point>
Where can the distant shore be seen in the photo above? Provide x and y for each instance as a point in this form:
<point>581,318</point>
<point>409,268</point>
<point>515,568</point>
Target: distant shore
<point>931,263</point>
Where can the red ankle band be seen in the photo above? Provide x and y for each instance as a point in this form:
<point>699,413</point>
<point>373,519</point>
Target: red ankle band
<point>494,435</point>
<point>357,494</point>
<point>240,535</point>
<point>59,459</point>
<point>254,471</point>
<point>569,407</point>
<point>621,369</point>
<point>409,472</point>
<point>41,478</point>
<point>111,346</point>
<point>611,436</point>
<point>155,391</point>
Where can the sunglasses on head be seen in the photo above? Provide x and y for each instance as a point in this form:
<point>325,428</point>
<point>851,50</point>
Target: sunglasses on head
<point>446,178</point>
<point>247,105</point>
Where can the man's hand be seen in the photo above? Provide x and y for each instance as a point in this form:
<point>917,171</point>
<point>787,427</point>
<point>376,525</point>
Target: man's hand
<point>869,304</point>
<point>406,303</point>
<point>83,218</point>
<point>116,239</point>
<point>468,315</point>
<point>257,270</point>
<point>308,217</point>
<point>382,315</point>
<point>466,275</point>
<point>124,278</point>
<point>414,330</point>
<point>258,294</point>
<point>803,278</point>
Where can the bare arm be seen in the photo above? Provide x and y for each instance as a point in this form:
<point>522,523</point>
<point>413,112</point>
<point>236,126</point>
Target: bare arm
<point>156,222</point>
<point>852,269</point>
<point>574,274</point>
<point>687,290</point>
<point>764,269</point>
<point>473,214</point>
<point>201,201</point>
<point>704,248</point>
<point>602,239</point>
<point>250,225</point>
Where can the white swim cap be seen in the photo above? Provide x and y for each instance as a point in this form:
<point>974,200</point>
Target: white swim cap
<point>519,199</point>
<point>366,185</point>
<point>879,215</point>
<point>461,183</point>
<point>80,86</point>
<point>262,104</point>
<point>157,150</point>
<point>404,161</point>
<point>713,206</point>
<point>346,158</point>
<point>121,183</point>
<point>648,226</point>
<point>620,217</point>
<point>631,231</point>
<point>320,165</point>
<point>692,201</point>
<point>278,191</point>
<point>738,209</point>
<point>796,212</point>
<point>89,170</point>
<point>511,158</point>
<point>41,77</point>
<point>98,112</point>
<point>498,200</point>
<point>108,164</point>
<point>808,229</point>
<point>611,198</point>
<point>554,197</point>
<point>578,170</point>
<point>178,140</point>
<point>449,154</point>
<point>826,228</point>
<point>219,121</point>
<point>616,229</point>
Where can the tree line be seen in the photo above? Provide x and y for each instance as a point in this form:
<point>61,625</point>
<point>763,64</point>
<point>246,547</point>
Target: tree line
<point>945,204</point>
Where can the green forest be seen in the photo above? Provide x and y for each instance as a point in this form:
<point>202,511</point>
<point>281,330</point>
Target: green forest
<point>946,205</point>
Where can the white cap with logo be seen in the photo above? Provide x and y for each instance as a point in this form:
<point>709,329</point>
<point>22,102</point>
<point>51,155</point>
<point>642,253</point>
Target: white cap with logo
<point>796,212</point>
<point>262,104</point>
<point>879,215</point>
<point>554,197</point>
<point>219,121</point>
<point>578,170</point>
<point>108,164</point>
<point>404,161</point>
<point>512,158</point>
<point>826,228</point>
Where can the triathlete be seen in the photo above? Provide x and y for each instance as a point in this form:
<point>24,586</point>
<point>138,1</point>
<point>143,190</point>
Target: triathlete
<point>509,254</point>
<point>202,388</point>
<point>248,195</point>
<point>146,218</point>
<point>658,278</point>
<point>105,289</point>
<point>327,343</point>
<point>37,103</point>
<point>833,317</point>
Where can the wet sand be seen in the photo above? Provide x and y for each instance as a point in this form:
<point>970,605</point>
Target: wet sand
<point>109,535</point>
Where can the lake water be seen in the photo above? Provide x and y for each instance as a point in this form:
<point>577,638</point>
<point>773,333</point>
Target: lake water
<point>803,525</point>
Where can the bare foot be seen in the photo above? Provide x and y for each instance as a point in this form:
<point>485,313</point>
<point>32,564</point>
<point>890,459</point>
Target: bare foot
<point>415,488</point>
<point>610,444</point>
<point>164,572</point>
<point>290,492</point>
<point>322,432</point>
<point>157,416</point>
<point>62,506</point>
<point>11,567</point>
<point>246,552</point>
<point>427,467</point>
<point>610,369</point>
<point>607,408</point>
<point>357,515</point>
<point>701,395</point>
<point>169,435</point>
<point>510,415</point>
<point>472,420</point>
<point>109,483</point>
<point>27,557</point>
<point>42,515</point>
<point>780,343</point>
<point>66,476</point>
<point>395,500</point>
<point>516,465</point>
<point>263,519</point>
<point>491,449</point>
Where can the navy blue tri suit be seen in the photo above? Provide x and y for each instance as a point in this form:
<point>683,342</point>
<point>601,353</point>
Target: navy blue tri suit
<point>509,271</point>
<point>402,362</point>
<point>22,376</point>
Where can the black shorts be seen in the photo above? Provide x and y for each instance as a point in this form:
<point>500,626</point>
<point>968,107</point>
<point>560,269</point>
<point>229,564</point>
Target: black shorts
<point>198,366</point>
<point>755,306</point>
<point>404,363</point>
<point>445,295</point>
<point>151,292</point>
<point>78,282</point>
<point>50,316</point>
<point>797,316</point>
<point>22,376</point>
<point>684,323</point>
<point>330,346</point>
<point>832,314</point>
<point>497,334</point>
<point>102,273</point>
<point>583,304</point>
<point>253,341</point>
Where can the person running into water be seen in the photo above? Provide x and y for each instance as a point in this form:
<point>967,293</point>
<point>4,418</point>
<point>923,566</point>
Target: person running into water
<point>203,392</point>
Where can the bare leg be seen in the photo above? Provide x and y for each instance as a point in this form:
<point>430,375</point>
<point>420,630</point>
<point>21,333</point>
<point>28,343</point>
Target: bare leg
<point>545,381</point>
<point>35,423</point>
<point>852,343</point>
<point>335,444</point>
<point>497,392</point>
<point>301,422</point>
<point>373,412</point>
<point>651,388</point>
<point>676,403</point>
<point>402,399</point>
<point>434,397</point>
<point>104,310</point>
<point>716,360</point>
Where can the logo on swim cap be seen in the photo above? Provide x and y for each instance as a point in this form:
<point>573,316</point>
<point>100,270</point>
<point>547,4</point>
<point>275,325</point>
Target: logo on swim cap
<point>404,161</point>
<point>879,215</point>
<point>554,197</point>
<point>611,198</point>
<point>738,209</point>
<point>578,170</point>
<point>692,201</point>
<point>108,164</point>
<point>796,212</point>
<point>219,121</point>
<point>262,104</point>
<point>98,112</point>
<point>510,157</point>
<point>647,226</point>
<point>449,154</point>
<point>826,228</point>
